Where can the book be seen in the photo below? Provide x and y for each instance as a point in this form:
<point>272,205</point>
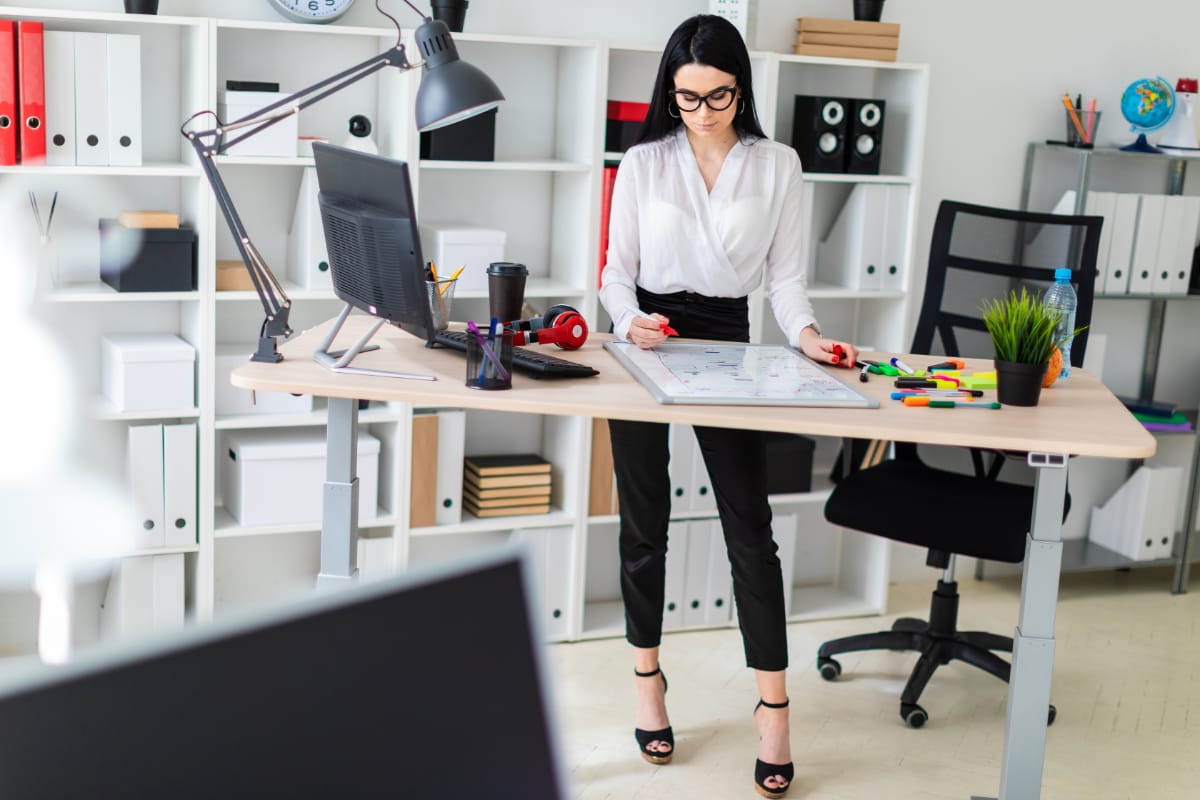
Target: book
<point>524,464</point>
<point>828,25</point>
<point>479,482</point>
<point>1177,418</point>
<point>836,51</point>
<point>542,490</point>
<point>848,39</point>
<point>1148,407</point>
<point>507,511</point>
<point>505,502</point>
<point>148,219</point>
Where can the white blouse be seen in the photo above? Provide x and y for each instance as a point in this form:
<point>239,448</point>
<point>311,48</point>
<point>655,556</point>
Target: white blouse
<point>667,233</point>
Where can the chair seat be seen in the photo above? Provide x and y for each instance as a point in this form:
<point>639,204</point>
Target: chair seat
<point>936,509</point>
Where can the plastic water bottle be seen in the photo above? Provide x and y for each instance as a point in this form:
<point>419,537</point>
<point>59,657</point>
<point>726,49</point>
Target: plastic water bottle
<point>1061,297</point>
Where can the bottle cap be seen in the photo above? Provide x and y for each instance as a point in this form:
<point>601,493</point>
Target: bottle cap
<point>1062,274</point>
<point>1186,85</point>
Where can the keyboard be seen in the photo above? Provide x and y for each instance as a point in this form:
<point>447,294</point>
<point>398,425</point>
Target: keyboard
<point>531,362</point>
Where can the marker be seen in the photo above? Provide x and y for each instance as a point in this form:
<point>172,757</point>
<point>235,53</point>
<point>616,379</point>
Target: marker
<point>941,392</point>
<point>664,327</point>
<point>950,363</point>
<point>960,404</point>
<point>915,383</point>
<point>932,395</point>
<point>862,376</point>
<point>839,353</point>
<point>900,365</point>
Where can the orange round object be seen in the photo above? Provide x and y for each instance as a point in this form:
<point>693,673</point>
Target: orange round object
<point>1053,369</point>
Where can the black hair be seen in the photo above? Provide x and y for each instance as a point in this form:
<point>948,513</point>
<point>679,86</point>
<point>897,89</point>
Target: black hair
<point>714,42</point>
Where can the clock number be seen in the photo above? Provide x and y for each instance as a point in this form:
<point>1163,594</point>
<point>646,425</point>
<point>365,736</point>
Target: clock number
<point>312,5</point>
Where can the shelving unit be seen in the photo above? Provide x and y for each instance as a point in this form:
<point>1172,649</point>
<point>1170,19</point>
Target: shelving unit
<point>543,190</point>
<point>1132,171</point>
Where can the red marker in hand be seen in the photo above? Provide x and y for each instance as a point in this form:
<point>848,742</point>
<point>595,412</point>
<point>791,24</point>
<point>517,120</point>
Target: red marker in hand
<point>838,353</point>
<point>662,326</point>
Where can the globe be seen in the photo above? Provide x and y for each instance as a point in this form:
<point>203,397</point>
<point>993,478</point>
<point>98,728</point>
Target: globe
<point>1147,104</point>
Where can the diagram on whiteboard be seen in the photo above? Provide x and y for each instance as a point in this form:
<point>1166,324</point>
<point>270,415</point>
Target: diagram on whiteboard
<point>734,374</point>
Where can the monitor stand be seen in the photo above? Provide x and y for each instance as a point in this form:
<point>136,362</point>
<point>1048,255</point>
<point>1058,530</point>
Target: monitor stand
<point>339,360</point>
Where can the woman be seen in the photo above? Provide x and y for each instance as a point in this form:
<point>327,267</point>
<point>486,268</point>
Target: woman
<point>703,206</point>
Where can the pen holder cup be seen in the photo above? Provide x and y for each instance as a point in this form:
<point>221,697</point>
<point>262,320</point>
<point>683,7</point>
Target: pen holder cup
<point>441,295</point>
<point>489,366</point>
<point>1090,122</point>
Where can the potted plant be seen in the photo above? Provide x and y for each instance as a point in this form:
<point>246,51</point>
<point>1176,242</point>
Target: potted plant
<point>1024,334</point>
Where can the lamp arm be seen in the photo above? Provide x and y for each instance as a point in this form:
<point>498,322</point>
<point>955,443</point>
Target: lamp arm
<point>208,143</point>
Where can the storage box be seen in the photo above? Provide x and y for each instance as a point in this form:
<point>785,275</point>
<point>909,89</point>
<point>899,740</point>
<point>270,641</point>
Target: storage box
<point>473,139</point>
<point>233,400</point>
<point>232,276</point>
<point>147,371</point>
<point>147,259</point>
<point>279,140</point>
<point>789,463</point>
<point>275,477</point>
<point>452,246</point>
<point>624,120</point>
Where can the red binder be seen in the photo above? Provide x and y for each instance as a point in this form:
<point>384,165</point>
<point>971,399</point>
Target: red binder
<point>31,92</point>
<point>610,178</point>
<point>8,94</point>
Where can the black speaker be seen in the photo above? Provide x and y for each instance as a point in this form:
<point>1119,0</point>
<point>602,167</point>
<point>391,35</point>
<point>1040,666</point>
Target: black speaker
<point>864,138</point>
<point>819,132</point>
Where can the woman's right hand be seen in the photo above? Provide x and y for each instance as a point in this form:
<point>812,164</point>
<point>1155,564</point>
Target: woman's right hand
<point>647,333</point>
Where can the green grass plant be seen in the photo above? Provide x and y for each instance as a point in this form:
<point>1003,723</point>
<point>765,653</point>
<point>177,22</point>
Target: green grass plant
<point>1022,327</point>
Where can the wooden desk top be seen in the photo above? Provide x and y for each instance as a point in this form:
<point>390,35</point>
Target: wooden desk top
<point>1077,417</point>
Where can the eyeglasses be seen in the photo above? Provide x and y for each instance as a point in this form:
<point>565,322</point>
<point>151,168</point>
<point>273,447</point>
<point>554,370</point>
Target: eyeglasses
<point>718,99</point>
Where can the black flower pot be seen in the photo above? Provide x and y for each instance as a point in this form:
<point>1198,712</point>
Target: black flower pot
<point>1019,384</point>
<point>141,6</point>
<point>451,12</point>
<point>868,10</point>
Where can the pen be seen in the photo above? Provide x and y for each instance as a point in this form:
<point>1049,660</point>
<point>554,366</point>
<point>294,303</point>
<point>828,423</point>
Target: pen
<point>932,394</point>
<point>960,404</point>
<point>862,376</point>
<point>900,365</point>
<point>667,329</point>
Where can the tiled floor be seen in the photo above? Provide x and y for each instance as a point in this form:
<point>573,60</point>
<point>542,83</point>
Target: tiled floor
<point>1126,684</point>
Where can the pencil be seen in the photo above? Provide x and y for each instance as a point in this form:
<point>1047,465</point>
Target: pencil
<point>1074,118</point>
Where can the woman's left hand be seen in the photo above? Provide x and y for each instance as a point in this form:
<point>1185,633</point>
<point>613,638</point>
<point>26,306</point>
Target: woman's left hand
<point>827,351</point>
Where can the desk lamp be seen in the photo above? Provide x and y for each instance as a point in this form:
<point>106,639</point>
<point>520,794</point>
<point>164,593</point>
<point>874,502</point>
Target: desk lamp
<point>451,90</point>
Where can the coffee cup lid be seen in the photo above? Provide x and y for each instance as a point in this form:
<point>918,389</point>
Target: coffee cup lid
<point>506,268</point>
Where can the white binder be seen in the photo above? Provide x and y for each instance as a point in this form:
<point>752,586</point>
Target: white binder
<point>59,55</point>
<point>894,260</point>
<point>695,575</point>
<point>168,591</point>
<point>452,434</point>
<point>1120,251</point>
<point>144,594</point>
<point>1102,204</point>
<point>307,255</point>
<point>375,558</point>
<point>1138,521</point>
<point>91,100</point>
<point>1168,245</point>
<point>681,443</point>
<point>179,484</point>
<point>1145,243</point>
<point>144,468</point>
<point>718,598</point>
<point>677,554</point>
<point>123,72</point>
<point>851,256</point>
<point>783,529</point>
<point>550,554</point>
<point>1186,242</point>
<point>702,497</point>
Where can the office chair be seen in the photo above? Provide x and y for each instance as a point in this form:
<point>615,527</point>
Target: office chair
<point>977,252</point>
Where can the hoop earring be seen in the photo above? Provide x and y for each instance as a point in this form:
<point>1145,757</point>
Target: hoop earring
<point>669,114</point>
<point>741,106</point>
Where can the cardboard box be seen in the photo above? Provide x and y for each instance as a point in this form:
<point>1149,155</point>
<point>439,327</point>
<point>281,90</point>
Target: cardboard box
<point>279,140</point>
<point>147,371</point>
<point>231,399</point>
<point>275,476</point>
<point>452,246</point>
<point>232,276</point>
<point>147,259</point>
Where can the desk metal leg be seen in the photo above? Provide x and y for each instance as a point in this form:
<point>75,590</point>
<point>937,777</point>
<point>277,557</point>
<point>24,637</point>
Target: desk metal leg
<point>339,518</point>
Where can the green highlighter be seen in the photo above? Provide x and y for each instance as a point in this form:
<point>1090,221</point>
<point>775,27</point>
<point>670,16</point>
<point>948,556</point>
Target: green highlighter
<point>958,404</point>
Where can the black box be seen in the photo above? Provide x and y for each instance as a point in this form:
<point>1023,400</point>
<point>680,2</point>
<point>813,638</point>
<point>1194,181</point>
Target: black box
<point>789,462</point>
<point>147,259</point>
<point>623,124</point>
<point>472,139</point>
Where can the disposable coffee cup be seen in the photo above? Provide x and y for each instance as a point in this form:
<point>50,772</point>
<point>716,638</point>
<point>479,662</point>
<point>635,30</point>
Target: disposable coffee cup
<point>506,289</point>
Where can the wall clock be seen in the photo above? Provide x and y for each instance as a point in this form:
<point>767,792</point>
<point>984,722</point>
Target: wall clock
<point>312,10</point>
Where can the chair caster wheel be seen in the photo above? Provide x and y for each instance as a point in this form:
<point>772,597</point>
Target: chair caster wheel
<point>1053,713</point>
<point>829,668</point>
<point>913,714</point>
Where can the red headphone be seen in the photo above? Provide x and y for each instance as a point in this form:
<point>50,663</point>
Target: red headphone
<point>560,325</point>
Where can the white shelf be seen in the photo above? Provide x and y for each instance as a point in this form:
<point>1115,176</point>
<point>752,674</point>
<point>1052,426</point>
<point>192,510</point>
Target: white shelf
<point>102,409</point>
<point>846,177</point>
<point>148,170</point>
<point>470,524</point>
<point>226,527</point>
<point>264,161</point>
<point>546,165</point>
<point>311,419</point>
<point>109,18</point>
<point>103,293</point>
<point>818,290</point>
<point>267,26</point>
<point>293,291</point>
<point>828,602</point>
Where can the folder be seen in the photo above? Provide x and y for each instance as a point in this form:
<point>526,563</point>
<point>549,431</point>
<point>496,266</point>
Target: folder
<point>1102,204</point>
<point>59,51</point>
<point>123,74</point>
<point>673,593</point>
<point>308,257</point>
<point>1145,243</point>
<point>783,529</point>
<point>144,594</point>
<point>1185,244</point>
<point>167,593</point>
<point>452,434</point>
<point>702,497</point>
<point>423,472</point>
<point>31,92</point>
<point>695,572</point>
<point>179,484</point>
<point>852,255</point>
<point>602,484</point>
<point>550,554</point>
<point>144,470</point>
<point>91,100</point>
<point>1138,521</point>
<point>718,599</point>
<point>1120,251</point>
<point>1168,245</point>
<point>894,262</point>
<point>681,442</point>
<point>8,93</point>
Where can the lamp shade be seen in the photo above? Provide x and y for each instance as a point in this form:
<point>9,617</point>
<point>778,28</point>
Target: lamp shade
<point>451,90</point>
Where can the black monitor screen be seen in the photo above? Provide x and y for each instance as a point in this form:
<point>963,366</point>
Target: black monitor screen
<point>412,687</point>
<point>372,236</point>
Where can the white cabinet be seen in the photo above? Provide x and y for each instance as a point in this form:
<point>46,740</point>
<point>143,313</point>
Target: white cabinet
<point>543,191</point>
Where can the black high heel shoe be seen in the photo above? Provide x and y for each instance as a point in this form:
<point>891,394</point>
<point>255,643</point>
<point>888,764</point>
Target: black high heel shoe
<point>764,771</point>
<point>647,738</point>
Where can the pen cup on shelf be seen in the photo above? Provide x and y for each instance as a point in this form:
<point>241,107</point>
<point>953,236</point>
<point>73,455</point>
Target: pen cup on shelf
<point>489,360</point>
<point>441,294</point>
<point>1081,126</point>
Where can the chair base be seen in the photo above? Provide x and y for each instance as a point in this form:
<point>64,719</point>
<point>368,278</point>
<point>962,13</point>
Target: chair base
<point>938,642</point>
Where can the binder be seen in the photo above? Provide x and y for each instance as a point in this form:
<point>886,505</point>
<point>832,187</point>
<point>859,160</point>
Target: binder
<point>1185,244</point>
<point>452,433</point>
<point>144,470</point>
<point>91,100</point>
<point>8,94</point>
<point>718,598</point>
<point>1145,243</point>
<point>308,257</point>
<point>167,592</point>
<point>851,256</point>
<point>123,74</point>
<point>31,92</point>
<point>894,261</point>
<point>702,497</point>
<point>602,484</point>
<point>423,472</point>
<point>783,529</point>
<point>695,572</point>
<point>59,51</point>
<point>179,484</point>
<point>1120,251</point>
<point>673,593</point>
<point>144,594</point>
<point>1138,521</point>
<point>1102,204</point>
<point>550,556</point>
<point>1168,245</point>
<point>606,192</point>
<point>681,442</point>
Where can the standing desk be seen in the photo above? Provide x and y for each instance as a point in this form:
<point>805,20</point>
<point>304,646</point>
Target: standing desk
<point>1081,417</point>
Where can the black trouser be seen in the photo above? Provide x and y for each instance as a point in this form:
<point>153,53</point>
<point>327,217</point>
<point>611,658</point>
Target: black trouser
<point>736,462</point>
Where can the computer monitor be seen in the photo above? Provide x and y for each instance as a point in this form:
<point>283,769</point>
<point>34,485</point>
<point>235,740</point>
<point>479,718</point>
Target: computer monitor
<point>429,684</point>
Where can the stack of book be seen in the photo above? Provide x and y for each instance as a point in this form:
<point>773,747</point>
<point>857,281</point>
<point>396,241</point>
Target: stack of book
<point>847,38</point>
<point>500,486</point>
<point>1157,415</point>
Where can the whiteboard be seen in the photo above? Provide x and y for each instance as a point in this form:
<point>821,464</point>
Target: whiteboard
<point>728,373</point>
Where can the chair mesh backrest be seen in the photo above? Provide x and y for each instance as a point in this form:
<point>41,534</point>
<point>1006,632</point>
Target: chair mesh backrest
<point>979,253</point>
